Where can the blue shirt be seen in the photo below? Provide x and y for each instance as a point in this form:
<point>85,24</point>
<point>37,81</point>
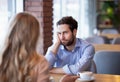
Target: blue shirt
<point>72,62</point>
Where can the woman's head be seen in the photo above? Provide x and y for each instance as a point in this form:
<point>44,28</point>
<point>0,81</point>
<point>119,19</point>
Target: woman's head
<point>21,48</point>
<point>24,30</point>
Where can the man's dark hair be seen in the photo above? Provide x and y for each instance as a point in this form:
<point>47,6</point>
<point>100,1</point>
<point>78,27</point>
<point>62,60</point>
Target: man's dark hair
<point>70,21</point>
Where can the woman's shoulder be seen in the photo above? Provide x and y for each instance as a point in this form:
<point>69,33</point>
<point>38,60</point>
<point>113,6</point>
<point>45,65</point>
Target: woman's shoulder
<point>37,60</point>
<point>41,59</point>
<point>41,68</point>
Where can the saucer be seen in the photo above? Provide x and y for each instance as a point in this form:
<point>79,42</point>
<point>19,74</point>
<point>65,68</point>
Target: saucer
<point>92,79</point>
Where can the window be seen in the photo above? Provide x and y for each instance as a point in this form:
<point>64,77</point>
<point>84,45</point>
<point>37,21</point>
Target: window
<point>8,8</point>
<point>82,10</point>
<point>66,8</point>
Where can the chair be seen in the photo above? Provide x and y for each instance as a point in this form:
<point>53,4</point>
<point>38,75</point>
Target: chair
<point>95,40</point>
<point>107,62</point>
<point>110,31</point>
<point>116,41</point>
<point>93,67</point>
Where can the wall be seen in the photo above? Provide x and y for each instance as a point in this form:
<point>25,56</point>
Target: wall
<point>42,10</point>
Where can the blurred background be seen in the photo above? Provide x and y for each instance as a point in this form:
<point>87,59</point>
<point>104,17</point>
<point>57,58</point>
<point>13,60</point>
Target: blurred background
<point>93,16</point>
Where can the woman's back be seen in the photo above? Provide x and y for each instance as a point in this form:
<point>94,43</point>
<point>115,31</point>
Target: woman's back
<point>40,73</point>
<point>20,61</point>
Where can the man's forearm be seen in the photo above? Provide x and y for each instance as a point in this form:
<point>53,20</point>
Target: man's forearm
<point>56,45</point>
<point>57,70</point>
<point>54,48</point>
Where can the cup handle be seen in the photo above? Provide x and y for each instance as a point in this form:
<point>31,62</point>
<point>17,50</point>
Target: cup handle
<point>78,74</point>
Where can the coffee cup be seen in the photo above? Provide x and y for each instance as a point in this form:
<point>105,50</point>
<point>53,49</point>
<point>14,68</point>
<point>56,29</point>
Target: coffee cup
<point>85,75</point>
<point>51,79</point>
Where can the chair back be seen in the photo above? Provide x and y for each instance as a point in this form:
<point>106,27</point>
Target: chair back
<point>116,41</point>
<point>107,62</point>
<point>93,67</point>
<point>110,31</point>
<point>95,40</point>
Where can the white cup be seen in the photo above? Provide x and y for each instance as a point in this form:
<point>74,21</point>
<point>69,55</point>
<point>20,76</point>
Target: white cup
<point>51,79</point>
<point>85,75</point>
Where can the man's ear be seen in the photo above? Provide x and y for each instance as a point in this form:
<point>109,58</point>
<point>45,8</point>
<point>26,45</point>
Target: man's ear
<point>75,32</point>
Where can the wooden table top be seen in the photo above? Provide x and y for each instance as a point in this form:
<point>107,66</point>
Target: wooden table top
<point>97,78</point>
<point>108,47</point>
<point>110,36</point>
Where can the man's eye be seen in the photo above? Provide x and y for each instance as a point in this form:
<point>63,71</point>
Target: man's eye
<point>65,32</point>
<point>59,33</point>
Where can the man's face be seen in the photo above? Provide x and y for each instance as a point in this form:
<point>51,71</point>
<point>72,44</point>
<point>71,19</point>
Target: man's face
<point>65,35</point>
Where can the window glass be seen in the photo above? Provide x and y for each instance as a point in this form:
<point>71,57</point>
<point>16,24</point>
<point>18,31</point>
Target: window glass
<point>8,8</point>
<point>66,8</point>
<point>82,10</point>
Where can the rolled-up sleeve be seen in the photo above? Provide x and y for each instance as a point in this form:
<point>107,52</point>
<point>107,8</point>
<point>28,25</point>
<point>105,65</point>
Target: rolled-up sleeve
<point>50,58</point>
<point>67,69</point>
<point>83,63</point>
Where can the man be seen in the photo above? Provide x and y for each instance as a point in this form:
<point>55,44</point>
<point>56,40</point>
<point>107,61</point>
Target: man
<point>69,54</point>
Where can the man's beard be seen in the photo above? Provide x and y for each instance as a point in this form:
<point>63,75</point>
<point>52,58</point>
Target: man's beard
<point>69,43</point>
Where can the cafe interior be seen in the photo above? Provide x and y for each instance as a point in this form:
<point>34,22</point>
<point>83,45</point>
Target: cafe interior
<point>98,23</point>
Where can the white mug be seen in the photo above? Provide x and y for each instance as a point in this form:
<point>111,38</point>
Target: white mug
<point>85,75</point>
<point>51,79</point>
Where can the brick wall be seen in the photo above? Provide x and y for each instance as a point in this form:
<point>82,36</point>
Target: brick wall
<point>42,10</point>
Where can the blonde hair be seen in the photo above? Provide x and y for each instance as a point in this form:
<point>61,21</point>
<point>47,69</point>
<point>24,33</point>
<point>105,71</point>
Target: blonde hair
<point>17,57</point>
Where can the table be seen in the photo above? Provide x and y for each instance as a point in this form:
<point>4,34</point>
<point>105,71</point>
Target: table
<point>110,36</point>
<point>56,77</point>
<point>98,78</point>
<point>105,78</point>
<point>108,47</point>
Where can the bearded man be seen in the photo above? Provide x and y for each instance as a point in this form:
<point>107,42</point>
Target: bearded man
<point>69,54</point>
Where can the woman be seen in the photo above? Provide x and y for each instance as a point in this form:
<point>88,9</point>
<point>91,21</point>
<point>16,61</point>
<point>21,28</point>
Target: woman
<point>20,61</point>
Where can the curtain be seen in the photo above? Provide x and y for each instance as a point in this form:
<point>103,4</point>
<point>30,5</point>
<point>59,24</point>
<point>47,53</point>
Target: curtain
<point>87,18</point>
<point>84,11</point>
